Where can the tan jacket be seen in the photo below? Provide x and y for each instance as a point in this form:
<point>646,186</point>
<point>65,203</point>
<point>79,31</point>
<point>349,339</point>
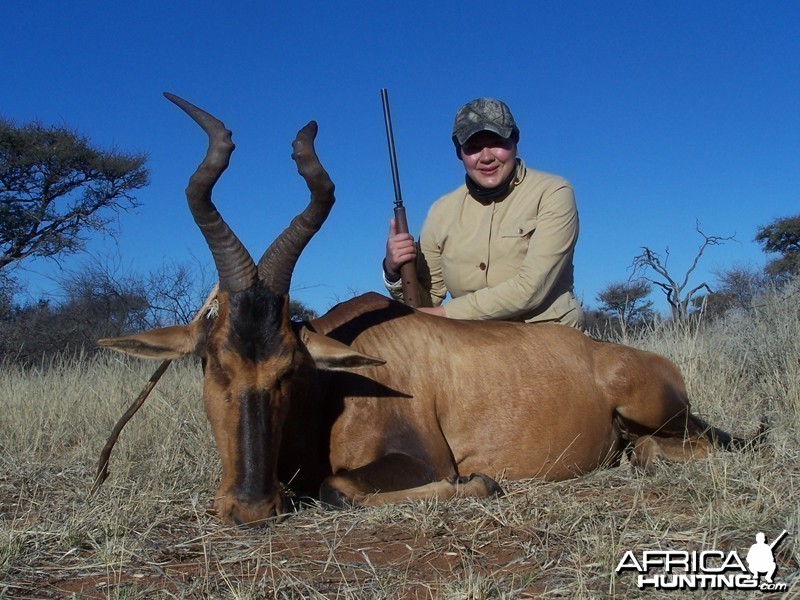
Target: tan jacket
<point>508,260</point>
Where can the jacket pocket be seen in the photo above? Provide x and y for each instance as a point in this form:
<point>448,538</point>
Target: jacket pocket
<point>522,228</point>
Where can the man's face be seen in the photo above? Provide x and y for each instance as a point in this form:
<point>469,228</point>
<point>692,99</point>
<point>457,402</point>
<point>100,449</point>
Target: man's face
<point>488,158</point>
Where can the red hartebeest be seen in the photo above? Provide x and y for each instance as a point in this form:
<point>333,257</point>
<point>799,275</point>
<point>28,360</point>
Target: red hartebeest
<point>375,402</point>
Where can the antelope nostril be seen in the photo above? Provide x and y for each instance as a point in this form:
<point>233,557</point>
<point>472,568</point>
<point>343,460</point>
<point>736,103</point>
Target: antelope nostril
<point>256,512</point>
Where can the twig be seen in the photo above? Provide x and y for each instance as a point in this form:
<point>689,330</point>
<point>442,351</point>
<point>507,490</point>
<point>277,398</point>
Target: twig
<point>102,464</point>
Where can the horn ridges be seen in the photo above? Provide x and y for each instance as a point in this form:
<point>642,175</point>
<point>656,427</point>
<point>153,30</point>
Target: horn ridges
<point>235,266</point>
<point>277,264</point>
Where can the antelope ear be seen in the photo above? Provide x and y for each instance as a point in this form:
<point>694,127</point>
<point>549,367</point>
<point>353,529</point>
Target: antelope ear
<point>166,343</point>
<point>330,355</point>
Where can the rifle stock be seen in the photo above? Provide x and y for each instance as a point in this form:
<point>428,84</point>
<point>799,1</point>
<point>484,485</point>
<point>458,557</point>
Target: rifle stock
<point>408,272</point>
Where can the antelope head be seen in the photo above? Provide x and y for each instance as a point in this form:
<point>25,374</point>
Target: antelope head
<point>251,354</point>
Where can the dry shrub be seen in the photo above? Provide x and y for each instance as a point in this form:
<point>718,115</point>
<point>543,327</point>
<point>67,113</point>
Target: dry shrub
<point>146,533</point>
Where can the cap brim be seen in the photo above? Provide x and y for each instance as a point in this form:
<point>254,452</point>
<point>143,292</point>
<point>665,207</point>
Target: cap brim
<point>463,136</point>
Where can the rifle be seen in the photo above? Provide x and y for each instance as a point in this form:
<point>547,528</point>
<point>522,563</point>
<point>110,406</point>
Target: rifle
<point>778,540</point>
<point>408,272</point>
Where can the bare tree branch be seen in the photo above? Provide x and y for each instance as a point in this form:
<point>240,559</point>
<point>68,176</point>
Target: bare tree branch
<point>677,297</point>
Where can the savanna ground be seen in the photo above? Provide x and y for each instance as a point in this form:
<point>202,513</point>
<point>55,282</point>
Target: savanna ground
<point>147,532</point>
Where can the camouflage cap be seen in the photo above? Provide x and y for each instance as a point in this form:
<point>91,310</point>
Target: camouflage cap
<point>483,114</point>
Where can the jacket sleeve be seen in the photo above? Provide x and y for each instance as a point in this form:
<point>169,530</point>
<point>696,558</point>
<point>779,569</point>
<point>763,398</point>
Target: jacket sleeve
<point>550,251</point>
<point>429,263</point>
<point>395,288</point>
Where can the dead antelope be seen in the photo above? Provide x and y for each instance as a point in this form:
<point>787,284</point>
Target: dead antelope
<point>375,402</point>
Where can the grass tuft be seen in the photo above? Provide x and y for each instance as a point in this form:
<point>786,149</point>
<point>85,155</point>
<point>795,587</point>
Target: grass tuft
<point>147,534</point>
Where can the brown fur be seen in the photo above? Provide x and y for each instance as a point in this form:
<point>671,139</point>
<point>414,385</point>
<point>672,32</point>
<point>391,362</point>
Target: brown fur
<point>454,398</point>
<point>504,399</point>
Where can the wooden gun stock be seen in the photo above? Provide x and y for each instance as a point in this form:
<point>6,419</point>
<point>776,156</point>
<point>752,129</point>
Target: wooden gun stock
<point>408,272</point>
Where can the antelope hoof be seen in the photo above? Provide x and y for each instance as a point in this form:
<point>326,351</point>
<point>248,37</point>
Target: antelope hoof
<point>492,487</point>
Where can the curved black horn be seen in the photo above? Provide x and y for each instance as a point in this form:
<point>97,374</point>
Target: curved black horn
<point>235,266</point>
<point>277,264</point>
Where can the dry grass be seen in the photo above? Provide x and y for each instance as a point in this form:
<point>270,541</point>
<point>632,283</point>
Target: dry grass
<point>146,533</point>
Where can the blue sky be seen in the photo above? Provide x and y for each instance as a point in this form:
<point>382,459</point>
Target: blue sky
<point>660,114</point>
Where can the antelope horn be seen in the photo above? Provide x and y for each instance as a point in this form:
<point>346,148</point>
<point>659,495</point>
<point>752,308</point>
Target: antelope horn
<point>277,264</point>
<point>235,266</point>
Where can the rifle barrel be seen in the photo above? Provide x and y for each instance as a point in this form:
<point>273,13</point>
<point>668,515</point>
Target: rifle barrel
<point>387,118</point>
<point>778,539</point>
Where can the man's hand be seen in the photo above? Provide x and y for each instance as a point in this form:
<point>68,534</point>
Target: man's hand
<point>400,249</point>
